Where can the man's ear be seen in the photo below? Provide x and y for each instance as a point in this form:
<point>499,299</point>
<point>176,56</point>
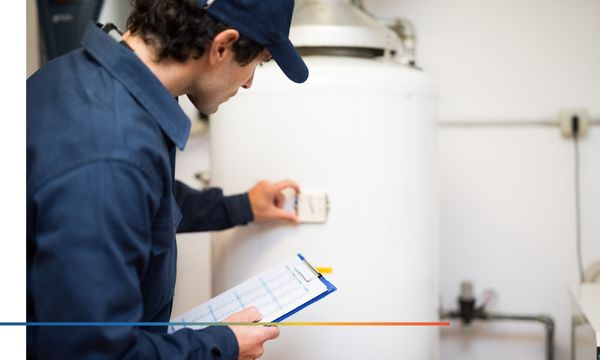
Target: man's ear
<point>221,47</point>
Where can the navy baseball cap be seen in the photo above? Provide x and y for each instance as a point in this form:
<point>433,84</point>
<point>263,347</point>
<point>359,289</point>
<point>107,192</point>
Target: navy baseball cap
<point>266,22</point>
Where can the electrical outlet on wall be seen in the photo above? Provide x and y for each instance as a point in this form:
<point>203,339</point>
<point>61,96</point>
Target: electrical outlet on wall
<point>574,121</point>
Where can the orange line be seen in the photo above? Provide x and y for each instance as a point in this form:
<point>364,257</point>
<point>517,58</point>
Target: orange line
<point>346,323</point>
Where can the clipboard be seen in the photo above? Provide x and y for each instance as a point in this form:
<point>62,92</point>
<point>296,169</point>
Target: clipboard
<point>329,289</point>
<point>278,292</point>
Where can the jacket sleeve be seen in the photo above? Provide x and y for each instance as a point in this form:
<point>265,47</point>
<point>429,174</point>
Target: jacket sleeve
<point>208,209</point>
<point>93,245</point>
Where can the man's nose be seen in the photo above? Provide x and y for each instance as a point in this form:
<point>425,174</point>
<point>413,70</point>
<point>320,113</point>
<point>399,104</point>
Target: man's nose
<point>248,82</point>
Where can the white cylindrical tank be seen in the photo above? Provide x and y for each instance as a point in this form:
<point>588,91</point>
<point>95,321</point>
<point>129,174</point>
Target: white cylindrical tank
<point>361,130</point>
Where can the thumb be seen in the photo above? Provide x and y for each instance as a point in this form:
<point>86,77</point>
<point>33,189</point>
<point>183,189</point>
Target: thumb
<point>272,332</point>
<point>286,215</point>
<point>279,200</point>
<point>251,314</point>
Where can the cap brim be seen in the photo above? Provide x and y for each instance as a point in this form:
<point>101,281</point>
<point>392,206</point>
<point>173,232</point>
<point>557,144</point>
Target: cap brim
<point>290,62</point>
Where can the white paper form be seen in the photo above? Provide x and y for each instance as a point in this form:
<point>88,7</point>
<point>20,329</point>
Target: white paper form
<point>275,292</point>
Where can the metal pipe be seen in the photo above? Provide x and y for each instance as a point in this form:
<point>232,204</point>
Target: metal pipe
<point>406,32</point>
<point>508,123</point>
<point>546,320</point>
<point>480,314</point>
<point>467,312</point>
<point>403,28</point>
<point>493,124</point>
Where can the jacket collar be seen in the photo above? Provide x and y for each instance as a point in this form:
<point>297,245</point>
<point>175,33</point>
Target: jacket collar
<point>131,72</point>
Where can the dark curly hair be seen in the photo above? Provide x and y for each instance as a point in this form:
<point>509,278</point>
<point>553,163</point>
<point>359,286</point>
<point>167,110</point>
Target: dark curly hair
<point>179,29</point>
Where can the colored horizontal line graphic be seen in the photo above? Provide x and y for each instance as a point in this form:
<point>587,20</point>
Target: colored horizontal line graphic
<point>285,323</point>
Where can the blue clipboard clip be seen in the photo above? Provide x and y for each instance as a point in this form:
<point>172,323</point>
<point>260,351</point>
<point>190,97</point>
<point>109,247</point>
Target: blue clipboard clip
<point>329,289</point>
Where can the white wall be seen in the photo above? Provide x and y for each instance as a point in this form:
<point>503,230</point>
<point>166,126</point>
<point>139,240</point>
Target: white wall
<point>510,59</point>
<point>507,207</point>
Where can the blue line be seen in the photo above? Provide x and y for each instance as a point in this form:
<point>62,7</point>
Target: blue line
<point>173,327</point>
<point>109,323</point>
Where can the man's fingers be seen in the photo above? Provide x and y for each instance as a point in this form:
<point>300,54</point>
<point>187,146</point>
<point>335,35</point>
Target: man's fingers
<point>272,332</point>
<point>252,313</point>
<point>286,215</point>
<point>279,200</point>
<point>268,200</point>
<point>278,186</point>
<point>249,314</point>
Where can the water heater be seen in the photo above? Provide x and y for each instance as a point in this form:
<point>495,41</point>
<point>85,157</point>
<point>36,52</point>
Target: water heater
<point>360,130</point>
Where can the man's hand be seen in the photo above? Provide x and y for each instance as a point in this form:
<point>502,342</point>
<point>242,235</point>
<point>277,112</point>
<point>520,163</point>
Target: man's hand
<point>251,338</point>
<point>267,201</point>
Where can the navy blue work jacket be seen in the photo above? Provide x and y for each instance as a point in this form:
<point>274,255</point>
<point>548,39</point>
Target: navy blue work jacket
<point>103,209</point>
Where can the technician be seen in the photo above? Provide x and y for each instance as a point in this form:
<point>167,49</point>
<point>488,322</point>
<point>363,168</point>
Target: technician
<point>103,125</point>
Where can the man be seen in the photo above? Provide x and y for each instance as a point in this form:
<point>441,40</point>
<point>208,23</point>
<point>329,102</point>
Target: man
<point>102,204</point>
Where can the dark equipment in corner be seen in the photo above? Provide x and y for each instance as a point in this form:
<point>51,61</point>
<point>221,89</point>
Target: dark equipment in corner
<point>62,23</point>
<point>468,311</point>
